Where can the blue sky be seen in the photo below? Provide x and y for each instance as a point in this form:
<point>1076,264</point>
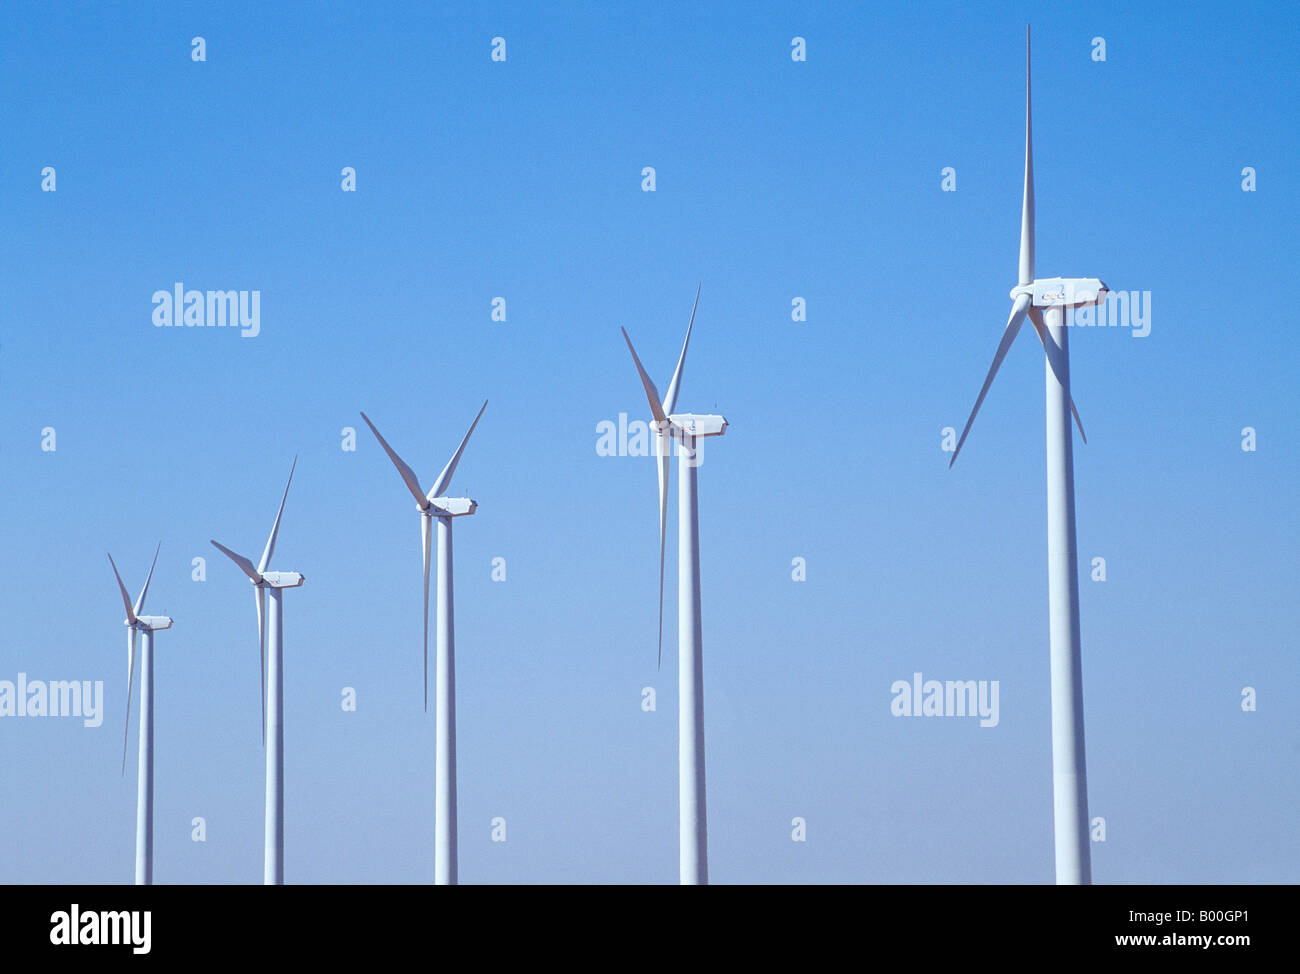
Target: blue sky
<point>775,179</point>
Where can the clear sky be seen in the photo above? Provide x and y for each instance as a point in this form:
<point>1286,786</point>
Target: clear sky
<point>775,179</point>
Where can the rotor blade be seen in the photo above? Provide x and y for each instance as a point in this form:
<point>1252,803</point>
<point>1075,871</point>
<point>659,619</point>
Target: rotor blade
<point>1019,311</point>
<point>656,408</point>
<point>269,550</point>
<point>675,386</point>
<point>408,475</point>
<point>1040,326</point>
<point>130,680</point>
<point>444,479</point>
<point>1027,202</point>
<point>139,603</point>
<point>246,566</point>
<point>126,599</point>
<point>1077,421</point>
<point>260,593</point>
<point>426,541</point>
<point>664,445</point>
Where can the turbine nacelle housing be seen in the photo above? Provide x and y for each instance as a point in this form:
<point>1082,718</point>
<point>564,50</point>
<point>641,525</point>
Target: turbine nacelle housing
<point>452,506</point>
<point>1063,292</point>
<point>282,579</point>
<point>152,623</point>
<point>691,424</point>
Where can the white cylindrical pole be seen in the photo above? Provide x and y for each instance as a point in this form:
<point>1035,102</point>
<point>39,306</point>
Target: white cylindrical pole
<point>426,546</point>
<point>1069,768</point>
<point>273,863</point>
<point>144,777</point>
<point>693,817</point>
<point>444,790</point>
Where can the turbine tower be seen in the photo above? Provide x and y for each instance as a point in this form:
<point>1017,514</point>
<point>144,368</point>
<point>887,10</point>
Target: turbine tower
<point>1045,303</point>
<point>686,429</point>
<point>275,583</point>
<point>433,505</point>
<point>145,626</point>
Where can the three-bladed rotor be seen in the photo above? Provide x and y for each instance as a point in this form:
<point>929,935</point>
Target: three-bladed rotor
<point>136,623</point>
<point>431,504</point>
<point>1030,295</point>
<point>262,579</point>
<point>669,426</point>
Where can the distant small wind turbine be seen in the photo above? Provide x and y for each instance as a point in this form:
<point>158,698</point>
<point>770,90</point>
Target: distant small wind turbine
<point>272,684</point>
<point>1044,302</point>
<point>686,428</point>
<point>147,626</point>
<point>433,505</point>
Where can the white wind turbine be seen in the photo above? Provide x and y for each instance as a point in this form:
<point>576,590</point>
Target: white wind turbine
<point>433,505</point>
<point>146,626</point>
<point>685,428</point>
<point>272,684</point>
<point>1044,302</point>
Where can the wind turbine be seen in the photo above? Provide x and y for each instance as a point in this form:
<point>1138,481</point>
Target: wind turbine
<point>275,583</point>
<point>1044,302</point>
<point>686,429</point>
<point>146,626</point>
<point>433,505</point>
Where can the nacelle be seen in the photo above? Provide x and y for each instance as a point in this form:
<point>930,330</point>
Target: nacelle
<point>453,506</point>
<point>690,424</point>
<point>282,579</point>
<point>154,623</point>
<point>1063,292</point>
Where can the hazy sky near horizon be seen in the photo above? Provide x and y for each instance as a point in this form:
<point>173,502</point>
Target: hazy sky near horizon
<point>774,180</point>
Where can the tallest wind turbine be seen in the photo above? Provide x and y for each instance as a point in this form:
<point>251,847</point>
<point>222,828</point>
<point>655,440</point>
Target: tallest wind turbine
<point>1045,303</point>
<point>686,429</point>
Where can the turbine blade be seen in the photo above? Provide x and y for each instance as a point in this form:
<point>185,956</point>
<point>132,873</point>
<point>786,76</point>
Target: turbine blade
<point>656,408</point>
<point>1019,311</point>
<point>426,540</point>
<point>246,566</point>
<point>1027,202</point>
<point>139,603</point>
<point>664,444</point>
<point>408,475</point>
<point>260,593</point>
<point>444,479</point>
<point>130,681</point>
<point>675,386</point>
<point>1040,326</point>
<point>126,599</point>
<point>1077,421</point>
<point>269,550</point>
